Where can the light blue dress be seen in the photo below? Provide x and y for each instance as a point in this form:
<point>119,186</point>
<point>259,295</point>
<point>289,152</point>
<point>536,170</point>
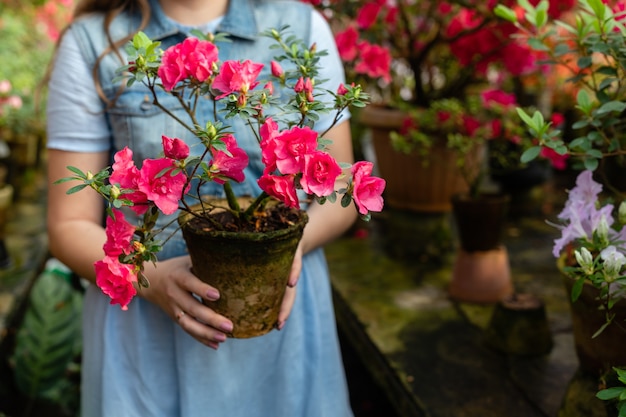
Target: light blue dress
<point>139,363</point>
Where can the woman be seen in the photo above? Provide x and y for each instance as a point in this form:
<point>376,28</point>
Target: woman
<point>153,360</point>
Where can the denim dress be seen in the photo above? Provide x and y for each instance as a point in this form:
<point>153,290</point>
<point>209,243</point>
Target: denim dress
<point>140,363</point>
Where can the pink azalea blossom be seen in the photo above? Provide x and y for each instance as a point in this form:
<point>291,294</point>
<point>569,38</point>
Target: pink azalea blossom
<point>291,146</point>
<point>495,95</point>
<point>280,187</point>
<point>115,279</point>
<point>237,77</point>
<point>192,57</point>
<point>229,164</point>
<point>199,56</point>
<point>160,186</point>
<point>367,190</point>
<point>368,14</point>
<point>174,148</point>
<point>319,174</point>
<point>347,43</point>
<point>119,235</point>
<point>126,174</point>
<point>268,132</point>
<point>172,69</point>
<point>374,61</point>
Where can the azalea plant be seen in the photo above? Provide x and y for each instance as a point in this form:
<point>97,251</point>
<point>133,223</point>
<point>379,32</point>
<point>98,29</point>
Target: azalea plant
<point>488,119</point>
<point>593,242</point>
<point>294,155</point>
<point>423,56</point>
<point>588,45</point>
<point>424,50</point>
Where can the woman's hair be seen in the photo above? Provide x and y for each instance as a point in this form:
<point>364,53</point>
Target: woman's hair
<point>110,9</point>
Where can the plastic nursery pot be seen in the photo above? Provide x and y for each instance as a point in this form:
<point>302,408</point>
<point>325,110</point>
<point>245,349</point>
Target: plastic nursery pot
<point>250,270</point>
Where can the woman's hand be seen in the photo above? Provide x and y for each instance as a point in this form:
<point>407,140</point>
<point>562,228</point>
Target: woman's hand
<point>290,293</point>
<point>172,288</point>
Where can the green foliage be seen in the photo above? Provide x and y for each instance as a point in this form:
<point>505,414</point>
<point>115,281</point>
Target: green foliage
<point>593,51</point>
<point>49,337</point>
<point>617,394</point>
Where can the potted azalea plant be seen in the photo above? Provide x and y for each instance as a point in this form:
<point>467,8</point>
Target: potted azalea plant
<point>297,168</point>
<point>589,43</point>
<point>412,56</point>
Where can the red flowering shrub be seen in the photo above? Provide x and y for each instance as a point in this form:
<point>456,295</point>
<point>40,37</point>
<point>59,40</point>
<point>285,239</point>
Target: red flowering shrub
<point>294,156</point>
<point>418,51</point>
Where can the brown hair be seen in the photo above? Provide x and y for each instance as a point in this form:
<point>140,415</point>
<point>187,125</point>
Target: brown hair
<point>110,9</point>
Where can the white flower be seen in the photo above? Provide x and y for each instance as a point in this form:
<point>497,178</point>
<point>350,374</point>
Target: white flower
<point>614,260</point>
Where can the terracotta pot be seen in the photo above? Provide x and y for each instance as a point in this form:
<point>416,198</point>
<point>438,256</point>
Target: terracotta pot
<point>250,270</point>
<point>413,182</point>
<point>480,220</point>
<point>596,355</point>
<point>481,277</point>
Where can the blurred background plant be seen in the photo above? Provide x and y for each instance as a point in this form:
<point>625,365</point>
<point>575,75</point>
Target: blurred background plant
<point>585,50</point>
<point>29,30</point>
<point>423,56</point>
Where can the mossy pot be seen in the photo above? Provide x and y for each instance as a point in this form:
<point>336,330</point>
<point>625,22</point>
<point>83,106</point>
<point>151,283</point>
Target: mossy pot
<point>250,270</point>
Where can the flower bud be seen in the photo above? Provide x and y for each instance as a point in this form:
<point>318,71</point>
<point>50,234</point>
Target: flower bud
<point>585,260</point>
<point>342,90</point>
<point>602,231</point>
<point>115,192</point>
<point>621,213</point>
<point>277,70</point>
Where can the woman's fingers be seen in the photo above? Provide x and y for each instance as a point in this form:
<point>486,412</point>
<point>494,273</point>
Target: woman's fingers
<point>286,306</point>
<point>180,293</point>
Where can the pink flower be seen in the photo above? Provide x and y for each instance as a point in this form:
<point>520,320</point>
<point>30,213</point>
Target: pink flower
<point>229,164</point>
<point>268,132</point>
<point>119,235</point>
<point>160,186</point>
<point>172,69</point>
<point>319,174</point>
<point>291,146</point>
<point>498,96</point>
<point>126,174</point>
<point>374,61</point>
<point>470,124</point>
<point>237,77</point>
<point>347,43</point>
<point>199,56</point>
<point>367,190</point>
<point>281,187</point>
<point>116,279</point>
<point>367,15</point>
<point>174,148</point>
<point>192,57</point>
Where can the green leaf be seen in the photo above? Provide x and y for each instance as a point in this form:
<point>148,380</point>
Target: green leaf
<point>530,154</point>
<point>527,119</point>
<point>46,339</point>
<point>610,393</point>
<point>505,13</point>
<point>611,106</point>
<point>577,288</point>
<point>584,62</point>
<point>537,45</point>
<point>76,189</point>
<point>583,100</point>
<point>600,330</point>
<point>591,164</point>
